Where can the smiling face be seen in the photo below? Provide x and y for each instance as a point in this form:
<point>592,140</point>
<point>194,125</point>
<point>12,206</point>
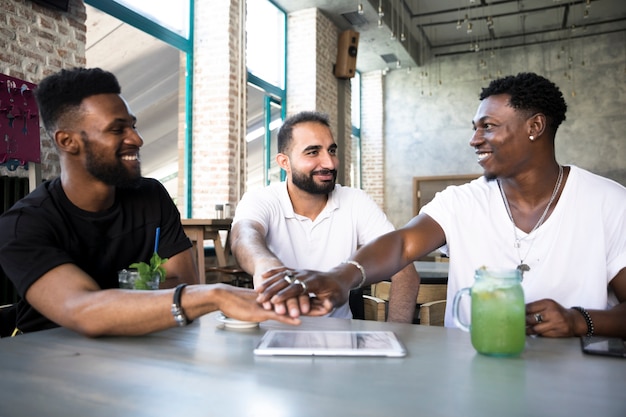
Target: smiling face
<point>111,141</point>
<point>501,137</point>
<point>312,159</point>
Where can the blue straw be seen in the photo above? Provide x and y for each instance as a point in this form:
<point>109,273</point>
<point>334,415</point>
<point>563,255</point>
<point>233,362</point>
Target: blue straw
<point>156,239</point>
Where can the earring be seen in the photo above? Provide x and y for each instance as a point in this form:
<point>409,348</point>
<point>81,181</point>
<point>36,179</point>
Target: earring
<point>531,137</point>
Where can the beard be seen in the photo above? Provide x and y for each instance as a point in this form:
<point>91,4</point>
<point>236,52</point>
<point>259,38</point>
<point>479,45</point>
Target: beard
<point>111,173</point>
<point>307,182</point>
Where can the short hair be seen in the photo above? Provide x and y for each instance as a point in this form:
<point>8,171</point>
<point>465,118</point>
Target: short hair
<point>285,133</point>
<point>532,93</point>
<point>63,92</point>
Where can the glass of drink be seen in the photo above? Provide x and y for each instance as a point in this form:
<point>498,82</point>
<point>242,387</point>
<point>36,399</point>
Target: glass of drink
<point>498,312</point>
<point>131,279</point>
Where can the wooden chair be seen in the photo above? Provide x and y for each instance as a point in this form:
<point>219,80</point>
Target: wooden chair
<point>236,275</point>
<point>431,301</point>
<point>375,308</point>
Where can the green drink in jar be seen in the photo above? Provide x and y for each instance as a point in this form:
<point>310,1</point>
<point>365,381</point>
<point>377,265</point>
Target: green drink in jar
<point>498,312</point>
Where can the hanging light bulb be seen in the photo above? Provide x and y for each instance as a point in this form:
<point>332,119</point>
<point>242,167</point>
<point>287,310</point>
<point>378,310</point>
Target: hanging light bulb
<point>402,37</point>
<point>586,14</point>
<point>381,13</point>
<point>588,4</point>
<point>458,24</point>
<point>380,22</point>
<point>359,8</point>
<point>469,27</point>
<point>392,36</point>
<point>398,64</point>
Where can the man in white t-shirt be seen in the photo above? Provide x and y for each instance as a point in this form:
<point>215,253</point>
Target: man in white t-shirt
<point>562,226</point>
<point>309,221</point>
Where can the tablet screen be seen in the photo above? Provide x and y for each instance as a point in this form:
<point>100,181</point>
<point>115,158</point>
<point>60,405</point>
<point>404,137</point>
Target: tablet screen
<point>330,343</point>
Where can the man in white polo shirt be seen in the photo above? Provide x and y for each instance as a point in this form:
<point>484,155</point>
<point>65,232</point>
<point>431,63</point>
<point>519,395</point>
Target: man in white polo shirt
<point>309,221</point>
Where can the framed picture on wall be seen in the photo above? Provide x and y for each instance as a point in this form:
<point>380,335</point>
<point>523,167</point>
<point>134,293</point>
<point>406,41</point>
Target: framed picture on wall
<point>425,188</point>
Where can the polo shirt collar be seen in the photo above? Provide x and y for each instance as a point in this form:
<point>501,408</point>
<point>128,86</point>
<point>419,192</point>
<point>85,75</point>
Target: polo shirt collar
<point>331,205</point>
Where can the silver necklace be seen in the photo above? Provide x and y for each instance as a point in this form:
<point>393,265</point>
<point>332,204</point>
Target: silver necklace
<point>523,267</point>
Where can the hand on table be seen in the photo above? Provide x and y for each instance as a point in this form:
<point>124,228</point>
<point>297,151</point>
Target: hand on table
<point>549,318</point>
<point>300,292</point>
<point>241,304</point>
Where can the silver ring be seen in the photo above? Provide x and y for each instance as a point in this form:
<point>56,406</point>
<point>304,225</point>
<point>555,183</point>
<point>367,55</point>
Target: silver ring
<point>288,277</point>
<point>538,317</point>
<point>302,284</point>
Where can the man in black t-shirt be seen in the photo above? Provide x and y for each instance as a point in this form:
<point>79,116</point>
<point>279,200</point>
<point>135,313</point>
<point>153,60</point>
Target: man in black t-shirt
<point>63,244</point>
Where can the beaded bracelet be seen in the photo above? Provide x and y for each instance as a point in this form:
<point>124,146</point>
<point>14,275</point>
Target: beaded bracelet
<point>363,276</point>
<point>588,320</point>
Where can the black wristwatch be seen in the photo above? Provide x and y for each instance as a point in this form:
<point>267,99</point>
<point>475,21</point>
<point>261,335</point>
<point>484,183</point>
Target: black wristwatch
<point>177,309</point>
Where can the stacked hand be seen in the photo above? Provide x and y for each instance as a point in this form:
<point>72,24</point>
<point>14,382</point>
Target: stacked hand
<point>301,292</point>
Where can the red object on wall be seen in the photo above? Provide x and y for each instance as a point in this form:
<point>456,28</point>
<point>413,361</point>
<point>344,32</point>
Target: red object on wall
<point>19,123</point>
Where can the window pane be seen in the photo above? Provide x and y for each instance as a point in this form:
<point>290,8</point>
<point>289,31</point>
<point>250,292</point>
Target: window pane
<point>265,41</point>
<point>171,15</point>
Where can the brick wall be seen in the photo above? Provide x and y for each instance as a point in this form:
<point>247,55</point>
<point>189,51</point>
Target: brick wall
<point>218,104</point>
<point>372,136</point>
<point>36,41</point>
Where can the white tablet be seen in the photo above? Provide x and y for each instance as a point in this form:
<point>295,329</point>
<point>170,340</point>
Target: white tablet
<point>330,343</point>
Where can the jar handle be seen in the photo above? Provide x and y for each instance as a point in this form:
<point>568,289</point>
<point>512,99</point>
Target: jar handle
<point>455,309</point>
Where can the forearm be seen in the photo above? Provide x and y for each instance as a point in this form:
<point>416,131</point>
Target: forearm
<point>403,295</point>
<point>250,249</point>
<point>609,323</point>
<point>380,259</point>
<point>119,312</point>
<point>391,252</point>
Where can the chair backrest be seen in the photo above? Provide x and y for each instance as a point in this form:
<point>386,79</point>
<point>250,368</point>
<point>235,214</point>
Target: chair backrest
<point>374,308</point>
<point>431,301</point>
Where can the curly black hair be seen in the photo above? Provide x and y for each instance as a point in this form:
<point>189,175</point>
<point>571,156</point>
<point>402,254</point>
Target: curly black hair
<point>533,93</point>
<point>59,95</point>
<point>285,134</point>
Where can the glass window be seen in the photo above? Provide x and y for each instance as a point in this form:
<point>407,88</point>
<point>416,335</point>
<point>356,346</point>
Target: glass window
<point>172,15</point>
<point>265,41</point>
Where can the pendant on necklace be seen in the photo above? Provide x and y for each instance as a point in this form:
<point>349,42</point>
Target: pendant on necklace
<point>522,267</point>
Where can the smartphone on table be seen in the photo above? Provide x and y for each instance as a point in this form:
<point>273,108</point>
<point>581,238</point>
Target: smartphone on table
<point>605,346</point>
